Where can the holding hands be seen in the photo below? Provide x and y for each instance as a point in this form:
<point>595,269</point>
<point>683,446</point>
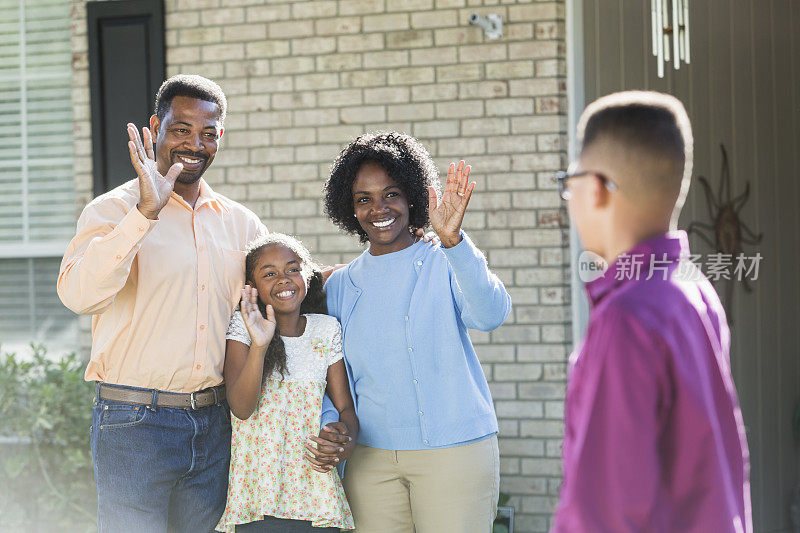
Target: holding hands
<point>260,329</point>
<point>334,445</point>
<point>447,213</point>
<point>154,189</point>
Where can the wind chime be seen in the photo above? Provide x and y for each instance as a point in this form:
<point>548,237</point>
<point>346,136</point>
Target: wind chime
<point>670,21</point>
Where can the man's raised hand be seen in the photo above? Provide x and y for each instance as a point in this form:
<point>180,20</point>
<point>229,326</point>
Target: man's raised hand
<point>154,189</point>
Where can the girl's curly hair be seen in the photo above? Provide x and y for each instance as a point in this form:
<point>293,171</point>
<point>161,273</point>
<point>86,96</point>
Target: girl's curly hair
<point>314,302</point>
<point>405,160</point>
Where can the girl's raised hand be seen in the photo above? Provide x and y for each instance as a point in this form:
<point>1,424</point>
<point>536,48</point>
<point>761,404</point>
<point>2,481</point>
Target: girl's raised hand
<point>447,213</point>
<point>260,329</point>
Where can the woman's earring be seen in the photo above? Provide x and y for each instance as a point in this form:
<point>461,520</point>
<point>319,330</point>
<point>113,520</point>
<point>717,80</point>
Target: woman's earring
<point>354,215</point>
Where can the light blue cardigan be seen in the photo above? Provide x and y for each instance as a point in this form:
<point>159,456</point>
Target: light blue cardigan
<point>455,290</point>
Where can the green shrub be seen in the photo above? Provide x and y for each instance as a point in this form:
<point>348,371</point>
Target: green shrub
<point>45,464</point>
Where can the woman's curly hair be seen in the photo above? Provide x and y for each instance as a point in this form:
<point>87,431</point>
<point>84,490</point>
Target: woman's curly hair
<point>314,302</point>
<point>405,160</point>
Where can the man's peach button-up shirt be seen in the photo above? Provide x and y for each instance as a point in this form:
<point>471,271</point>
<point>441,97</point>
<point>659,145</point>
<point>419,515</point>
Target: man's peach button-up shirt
<point>162,291</point>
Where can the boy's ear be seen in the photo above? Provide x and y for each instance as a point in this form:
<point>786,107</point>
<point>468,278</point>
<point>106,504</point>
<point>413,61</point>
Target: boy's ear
<point>599,194</point>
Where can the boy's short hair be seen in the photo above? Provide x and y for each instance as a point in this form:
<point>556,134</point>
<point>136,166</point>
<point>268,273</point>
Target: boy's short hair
<point>654,125</point>
<point>193,86</point>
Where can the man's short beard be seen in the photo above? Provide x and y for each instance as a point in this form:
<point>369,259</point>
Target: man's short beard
<point>189,178</point>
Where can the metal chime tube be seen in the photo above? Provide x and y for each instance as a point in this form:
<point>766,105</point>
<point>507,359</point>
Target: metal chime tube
<point>686,30</point>
<point>665,38</point>
<point>676,52</point>
<point>675,14</point>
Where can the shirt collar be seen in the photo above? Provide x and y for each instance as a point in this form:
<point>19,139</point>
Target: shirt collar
<point>208,196</point>
<point>670,246</point>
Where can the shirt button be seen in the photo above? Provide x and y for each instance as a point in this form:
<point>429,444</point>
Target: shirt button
<point>198,367</point>
<point>425,441</point>
<point>419,263</point>
<point>410,349</point>
<point>202,327</point>
<point>141,228</point>
<point>420,413</point>
<point>415,382</point>
<point>202,287</point>
<point>406,319</point>
<point>119,257</point>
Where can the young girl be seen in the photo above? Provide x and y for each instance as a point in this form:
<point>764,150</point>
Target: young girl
<point>279,354</point>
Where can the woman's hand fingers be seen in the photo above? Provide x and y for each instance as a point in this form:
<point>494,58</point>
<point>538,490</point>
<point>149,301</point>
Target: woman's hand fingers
<point>451,173</point>
<point>464,183</point>
<point>467,196</point>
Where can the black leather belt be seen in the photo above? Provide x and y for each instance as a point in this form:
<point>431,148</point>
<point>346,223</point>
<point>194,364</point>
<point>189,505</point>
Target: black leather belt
<point>179,400</point>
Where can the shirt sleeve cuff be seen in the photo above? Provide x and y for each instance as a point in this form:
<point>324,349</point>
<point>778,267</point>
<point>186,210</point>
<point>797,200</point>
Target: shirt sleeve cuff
<point>463,252</point>
<point>135,226</point>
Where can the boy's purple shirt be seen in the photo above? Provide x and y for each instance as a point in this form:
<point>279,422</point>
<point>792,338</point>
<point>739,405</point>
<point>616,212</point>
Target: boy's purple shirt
<point>654,436</point>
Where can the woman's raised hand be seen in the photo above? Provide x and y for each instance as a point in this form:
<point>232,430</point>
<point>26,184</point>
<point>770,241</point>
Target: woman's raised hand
<point>447,213</point>
<point>260,329</point>
<point>154,189</point>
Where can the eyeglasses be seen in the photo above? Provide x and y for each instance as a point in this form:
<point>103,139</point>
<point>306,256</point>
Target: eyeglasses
<point>562,177</point>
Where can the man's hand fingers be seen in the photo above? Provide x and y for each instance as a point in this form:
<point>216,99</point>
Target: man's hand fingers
<point>173,172</point>
<point>148,143</point>
<point>138,141</point>
<point>135,161</point>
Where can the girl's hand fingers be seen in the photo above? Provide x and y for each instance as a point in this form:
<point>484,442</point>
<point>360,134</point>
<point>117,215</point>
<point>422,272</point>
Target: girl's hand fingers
<point>321,454</point>
<point>270,314</point>
<point>327,447</point>
<point>323,467</point>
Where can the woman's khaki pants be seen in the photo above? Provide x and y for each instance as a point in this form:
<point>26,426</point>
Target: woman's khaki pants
<point>424,491</point>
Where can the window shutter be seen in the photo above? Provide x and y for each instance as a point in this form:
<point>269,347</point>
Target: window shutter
<point>36,170</point>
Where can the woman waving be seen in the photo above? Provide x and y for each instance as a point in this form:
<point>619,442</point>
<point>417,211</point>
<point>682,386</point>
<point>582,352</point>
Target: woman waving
<point>426,458</point>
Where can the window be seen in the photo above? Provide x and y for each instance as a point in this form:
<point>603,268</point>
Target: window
<point>37,209</point>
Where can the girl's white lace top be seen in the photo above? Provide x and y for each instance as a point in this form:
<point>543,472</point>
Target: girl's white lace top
<point>307,356</point>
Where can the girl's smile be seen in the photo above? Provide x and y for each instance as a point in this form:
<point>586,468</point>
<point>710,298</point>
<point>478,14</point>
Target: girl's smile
<point>279,279</point>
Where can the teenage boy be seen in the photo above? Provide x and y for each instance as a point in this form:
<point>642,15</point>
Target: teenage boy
<point>654,435</point>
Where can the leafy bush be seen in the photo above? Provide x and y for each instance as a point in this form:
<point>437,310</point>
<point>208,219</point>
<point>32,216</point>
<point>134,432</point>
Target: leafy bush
<point>45,464</point>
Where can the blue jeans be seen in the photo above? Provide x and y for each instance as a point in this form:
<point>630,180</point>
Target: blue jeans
<point>160,469</point>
